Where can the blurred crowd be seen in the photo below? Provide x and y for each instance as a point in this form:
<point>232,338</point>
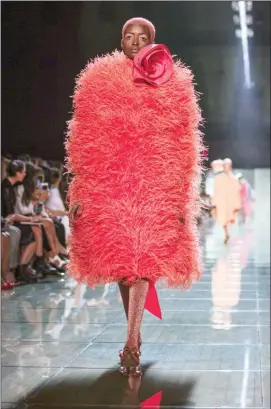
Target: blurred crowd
<point>35,223</point>
<point>34,220</point>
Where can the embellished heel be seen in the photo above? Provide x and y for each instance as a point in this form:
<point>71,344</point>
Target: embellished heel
<point>121,351</point>
<point>130,362</point>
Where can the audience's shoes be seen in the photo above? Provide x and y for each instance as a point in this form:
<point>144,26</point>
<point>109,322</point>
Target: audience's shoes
<point>49,269</point>
<point>10,278</point>
<point>34,273</point>
<point>45,268</point>
<point>64,257</point>
<point>5,285</point>
<point>59,271</point>
<point>57,263</point>
<point>54,271</point>
<point>16,283</point>
<point>39,274</point>
<point>27,274</point>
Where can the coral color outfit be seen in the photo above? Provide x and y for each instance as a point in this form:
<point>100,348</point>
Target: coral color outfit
<point>135,151</point>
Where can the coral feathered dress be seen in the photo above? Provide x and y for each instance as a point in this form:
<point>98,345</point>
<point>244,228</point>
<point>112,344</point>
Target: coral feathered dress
<point>135,153</point>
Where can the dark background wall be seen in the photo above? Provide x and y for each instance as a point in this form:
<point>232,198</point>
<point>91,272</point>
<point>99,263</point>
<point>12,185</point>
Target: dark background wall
<point>46,44</point>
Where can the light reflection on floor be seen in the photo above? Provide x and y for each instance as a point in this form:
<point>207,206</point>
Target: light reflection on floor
<point>60,340</point>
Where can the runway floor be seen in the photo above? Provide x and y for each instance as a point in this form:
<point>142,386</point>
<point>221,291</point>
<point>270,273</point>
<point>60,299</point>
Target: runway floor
<point>60,340</point>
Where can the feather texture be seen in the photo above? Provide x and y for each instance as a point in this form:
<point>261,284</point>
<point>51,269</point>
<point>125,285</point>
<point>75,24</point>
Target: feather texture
<point>135,152</point>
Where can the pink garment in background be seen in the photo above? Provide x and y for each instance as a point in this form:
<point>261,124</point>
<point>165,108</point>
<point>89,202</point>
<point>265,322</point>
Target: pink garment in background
<point>245,199</point>
<point>226,198</point>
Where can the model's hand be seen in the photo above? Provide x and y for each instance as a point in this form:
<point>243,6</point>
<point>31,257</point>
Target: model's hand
<point>75,210</point>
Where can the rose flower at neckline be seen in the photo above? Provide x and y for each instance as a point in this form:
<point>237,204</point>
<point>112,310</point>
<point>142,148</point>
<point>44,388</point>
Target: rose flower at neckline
<point>153,65</point>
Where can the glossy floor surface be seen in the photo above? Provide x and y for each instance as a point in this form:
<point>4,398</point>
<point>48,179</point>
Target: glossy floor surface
<point>60,340</point>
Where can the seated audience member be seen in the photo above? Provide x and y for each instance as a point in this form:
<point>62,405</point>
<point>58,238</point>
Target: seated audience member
<point>46,214</point>
<point>27,193</point>
<point>55,205</point>
<point>24,157</point>
<point>63,187</point>
<point>14,234</point>
<point>6,283</point>
<point>4,164</point>
<point>16,174</point>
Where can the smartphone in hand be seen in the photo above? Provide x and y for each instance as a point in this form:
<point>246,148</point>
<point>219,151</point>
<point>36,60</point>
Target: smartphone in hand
<point>38,209</point>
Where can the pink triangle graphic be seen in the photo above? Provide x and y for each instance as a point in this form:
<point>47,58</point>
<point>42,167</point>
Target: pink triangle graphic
<point>152,302</point>
<point>154,401</point>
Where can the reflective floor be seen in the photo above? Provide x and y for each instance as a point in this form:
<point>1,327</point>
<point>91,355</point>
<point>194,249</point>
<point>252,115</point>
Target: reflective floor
<point>60,340</point>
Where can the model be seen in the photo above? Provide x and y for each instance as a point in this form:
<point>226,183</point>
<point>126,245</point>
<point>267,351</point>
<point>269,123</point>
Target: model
<point>134,148</point>
<point>226,200</point>
<point>216,168</point>
<point>246,193</point>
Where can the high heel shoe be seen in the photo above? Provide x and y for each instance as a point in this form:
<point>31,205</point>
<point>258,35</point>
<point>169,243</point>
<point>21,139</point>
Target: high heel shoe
<point>130,362</point>
<point>121,351</point>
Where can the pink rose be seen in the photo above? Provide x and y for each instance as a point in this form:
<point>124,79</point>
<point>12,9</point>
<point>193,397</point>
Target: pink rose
<point>153,65</point>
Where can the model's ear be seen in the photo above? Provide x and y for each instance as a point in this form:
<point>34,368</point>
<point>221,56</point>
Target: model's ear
<point>121,43</point>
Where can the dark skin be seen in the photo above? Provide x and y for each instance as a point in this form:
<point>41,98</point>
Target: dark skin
<point>135,38</point>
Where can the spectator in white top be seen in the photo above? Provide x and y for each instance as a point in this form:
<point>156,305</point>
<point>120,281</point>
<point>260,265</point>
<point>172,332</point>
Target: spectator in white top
<point>55,204</point>
<point>27,193</point>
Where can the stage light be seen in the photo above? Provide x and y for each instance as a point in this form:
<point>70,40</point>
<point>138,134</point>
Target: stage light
<point>244,40</point>
<point>250,33</point>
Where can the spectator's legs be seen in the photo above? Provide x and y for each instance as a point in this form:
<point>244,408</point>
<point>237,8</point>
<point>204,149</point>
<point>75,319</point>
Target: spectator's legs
<point>66,224</point>
<point>27,273</point>
<point>38,238</point>
<point>51,235</point>
<point>53,243</point>
<point>40,263</point>
<point>28,253</point>
<point>15,237</point>
<point>5,252</point>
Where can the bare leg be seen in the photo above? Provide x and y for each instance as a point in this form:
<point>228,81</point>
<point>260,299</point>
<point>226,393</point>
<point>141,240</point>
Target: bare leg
<point>137,300</point>
<point>15,236</point>
<point>51,235</point>
<point>124,292</point>
<point>28,253</point>
<point>226,231</point>
<point>38,238</point>
<point>5,251</point>
<point>54,243</point>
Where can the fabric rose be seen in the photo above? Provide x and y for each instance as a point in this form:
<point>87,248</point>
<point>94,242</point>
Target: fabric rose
<point>153,64</point>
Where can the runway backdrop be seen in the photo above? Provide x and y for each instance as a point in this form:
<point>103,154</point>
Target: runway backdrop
<point>46,44</point>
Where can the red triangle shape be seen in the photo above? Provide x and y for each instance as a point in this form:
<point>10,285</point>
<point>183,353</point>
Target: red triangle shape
<point>154,401</point>
<point>152,303</point>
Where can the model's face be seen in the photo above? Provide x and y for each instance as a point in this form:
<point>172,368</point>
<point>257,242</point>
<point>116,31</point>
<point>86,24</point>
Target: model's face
<point>135,38</point>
